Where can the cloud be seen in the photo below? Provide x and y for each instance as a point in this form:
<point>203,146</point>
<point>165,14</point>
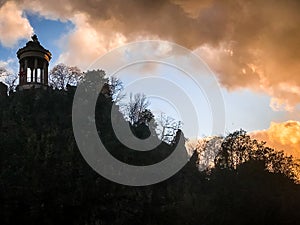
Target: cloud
<point>13,26</point>
<point>282,136</point>
<point>249,44</point>
<point>83,45</point>
<point>9,64</point>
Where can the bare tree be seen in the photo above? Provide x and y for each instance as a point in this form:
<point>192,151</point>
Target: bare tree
<point>136,112</point>
<point>208,148</point>
<point>145,117</point>
<point>10,79</point>
<point>62,75</point>
<point>136,107</point>
<point>116,87</point>
<point>167,127</point>
<point>2,71</point>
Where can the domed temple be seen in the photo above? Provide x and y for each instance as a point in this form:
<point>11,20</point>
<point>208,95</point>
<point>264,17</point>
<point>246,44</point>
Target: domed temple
<point>34,62</point>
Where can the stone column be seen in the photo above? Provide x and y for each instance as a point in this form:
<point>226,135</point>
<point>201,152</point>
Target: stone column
<point>21,74</point>
<point>31,71</point>
<point>42,75</point>
<point>35,69</point>
<point>25,71</point>
<point>45,73</point>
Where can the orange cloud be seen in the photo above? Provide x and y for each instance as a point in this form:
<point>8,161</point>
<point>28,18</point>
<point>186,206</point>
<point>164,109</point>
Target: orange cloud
<point>282,136</point>
<point>83,45</point>
<point>250,44</point>
<point>13,26</point>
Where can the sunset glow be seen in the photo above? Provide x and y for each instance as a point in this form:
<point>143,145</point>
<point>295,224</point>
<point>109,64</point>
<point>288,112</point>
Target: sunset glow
<point>250,46</point>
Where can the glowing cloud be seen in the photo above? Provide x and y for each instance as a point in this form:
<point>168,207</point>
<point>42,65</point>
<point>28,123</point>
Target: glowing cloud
<point>85,44</point>
<point>250,44</point>
<point>282,136</point>
<point>13,26</point>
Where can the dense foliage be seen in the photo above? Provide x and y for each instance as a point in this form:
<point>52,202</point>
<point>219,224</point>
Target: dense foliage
<point>45,180</point>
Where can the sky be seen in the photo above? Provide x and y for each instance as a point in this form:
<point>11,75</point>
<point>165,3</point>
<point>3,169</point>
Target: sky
<point>252,48</point>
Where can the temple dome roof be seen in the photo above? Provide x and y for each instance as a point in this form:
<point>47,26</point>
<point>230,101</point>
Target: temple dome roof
<point>34,48</point>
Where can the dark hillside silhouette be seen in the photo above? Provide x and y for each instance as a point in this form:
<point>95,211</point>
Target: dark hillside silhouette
<point>45,180</point>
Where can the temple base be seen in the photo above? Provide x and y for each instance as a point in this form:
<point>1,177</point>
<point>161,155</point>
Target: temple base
<point>32,86</point>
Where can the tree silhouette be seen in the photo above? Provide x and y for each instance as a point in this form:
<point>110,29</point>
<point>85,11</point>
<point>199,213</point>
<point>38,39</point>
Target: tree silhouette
<point>238,148</point>
<point>45,180</point>
<point>62,75</point>
<point>9,78</point>
<point>116,88</point>
<point>167,127</point>
<point>136,107</point>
